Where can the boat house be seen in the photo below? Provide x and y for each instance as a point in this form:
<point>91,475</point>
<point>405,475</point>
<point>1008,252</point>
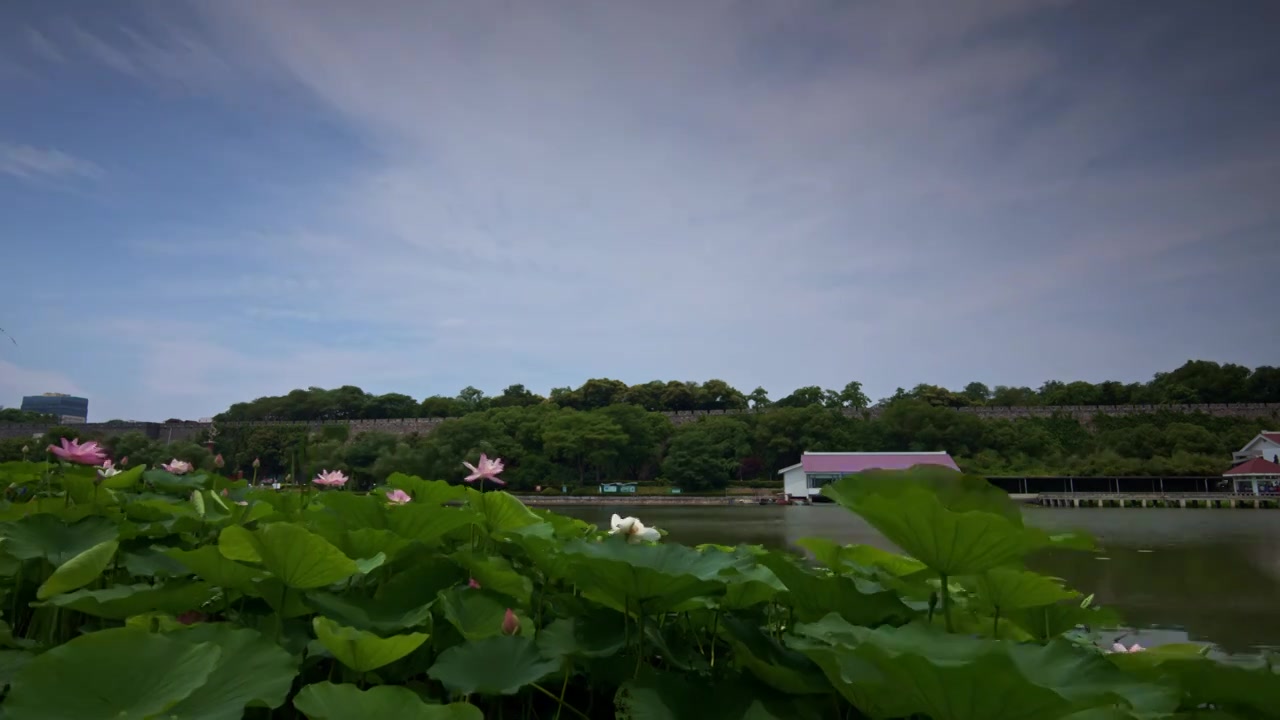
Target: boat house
<point>1256,476</point>
<point>815,469</point>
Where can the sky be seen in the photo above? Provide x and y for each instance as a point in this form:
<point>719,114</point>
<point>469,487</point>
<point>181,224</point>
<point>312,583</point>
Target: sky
<point>207,202</point>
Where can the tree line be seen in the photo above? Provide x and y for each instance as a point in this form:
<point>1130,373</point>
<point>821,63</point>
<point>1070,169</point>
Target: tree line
<point>545,445</point>
<point>1197,381</point>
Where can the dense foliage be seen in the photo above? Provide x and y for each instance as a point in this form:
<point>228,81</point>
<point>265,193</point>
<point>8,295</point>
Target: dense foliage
<point>145,594</point>
<point>1197,381</point>
<point>549,446</point>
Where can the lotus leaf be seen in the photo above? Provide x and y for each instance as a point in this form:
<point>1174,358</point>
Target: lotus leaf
<point>119,602</point>
<point>643,578</point>
<point>498,665</point>
<point>79,570</point>
<point>326,701</point>
<point>46,536</point>
<point>363,651</point>
<point>251,671</point>
<point>115,673</point>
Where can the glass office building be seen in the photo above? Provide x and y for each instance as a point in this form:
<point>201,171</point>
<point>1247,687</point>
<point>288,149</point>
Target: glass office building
<point>68,408</point>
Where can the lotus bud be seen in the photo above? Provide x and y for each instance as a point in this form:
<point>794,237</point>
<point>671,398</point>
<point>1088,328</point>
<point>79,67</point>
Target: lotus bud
<point>510,623</point>
<point>226,492</point>
<point>123,461</point>
<point>288,477</point>
<point>257,463</point>
<point>471,583</point>
<point>26,449</point>
<point>218,461</point>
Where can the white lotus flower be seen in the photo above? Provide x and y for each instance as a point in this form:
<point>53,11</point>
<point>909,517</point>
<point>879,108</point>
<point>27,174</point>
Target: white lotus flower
<point>633,529</point>
<point>108,469</point>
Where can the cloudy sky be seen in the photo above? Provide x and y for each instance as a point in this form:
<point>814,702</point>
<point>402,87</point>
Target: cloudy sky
<point>207,202</point>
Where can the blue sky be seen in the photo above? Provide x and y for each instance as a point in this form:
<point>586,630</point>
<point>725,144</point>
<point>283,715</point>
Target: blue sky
<point>209,202</point>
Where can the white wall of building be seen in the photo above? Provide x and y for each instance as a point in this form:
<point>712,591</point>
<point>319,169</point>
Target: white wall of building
<point>794,483</point>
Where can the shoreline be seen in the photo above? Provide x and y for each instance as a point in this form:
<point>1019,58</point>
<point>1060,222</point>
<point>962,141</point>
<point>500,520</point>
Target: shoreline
<point>630,500</point>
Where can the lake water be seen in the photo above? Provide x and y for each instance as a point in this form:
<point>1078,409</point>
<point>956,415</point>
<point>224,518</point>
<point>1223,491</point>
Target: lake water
<point>1174,574</point>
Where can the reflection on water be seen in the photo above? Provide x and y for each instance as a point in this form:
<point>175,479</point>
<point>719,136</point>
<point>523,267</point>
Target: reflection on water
<point>1206,575</point>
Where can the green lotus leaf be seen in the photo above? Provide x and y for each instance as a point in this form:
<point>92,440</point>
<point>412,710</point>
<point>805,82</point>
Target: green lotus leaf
<point>210,564</point>
<point>276,594</point>
<point>660,577</point>
<point>395,609</point>
<point>181,485</point>
<point>1006,589</point>
<point>252,671</point>
<point>478,614</point>
<point>153,561</point>
<point>589,635</point>
<point>954,491</point>
<point>46,536</point>
<point>671,696</point>
<point>355,511</point>
<point>11,661</point>
<point>1249,686</point>
<point>125,479</point>
<point>326,701</point>
<point>1046,622</point>
<point>116,673</point>
<point>363,651</point>
<point>428,524</point>
<point>778,666</point>
<point>123,601</point>
<point>299,558</point>
<point>366,543</point>
<point>427,492</point>
<point>494,666</point>
<point>79,570</point>
<point>858,600</point>
<point>915,669</point>
<point>838,557</point>
<point>237,543</point>
<point>494,573</point>
<point>500,512</point>
<point>950,542</point>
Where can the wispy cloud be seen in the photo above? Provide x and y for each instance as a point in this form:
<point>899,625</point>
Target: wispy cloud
<point>33,163</point>
<point>438,194</point>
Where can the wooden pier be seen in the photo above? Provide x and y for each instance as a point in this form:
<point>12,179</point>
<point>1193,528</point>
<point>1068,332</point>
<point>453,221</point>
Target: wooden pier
<point>1158,500</point>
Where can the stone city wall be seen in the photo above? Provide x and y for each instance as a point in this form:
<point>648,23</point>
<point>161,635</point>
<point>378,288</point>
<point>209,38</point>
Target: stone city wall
<point>169,432</point>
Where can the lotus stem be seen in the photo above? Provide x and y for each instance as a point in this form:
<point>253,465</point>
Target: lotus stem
<point>563,687</point>
<point>946,602</point>
<point>562,703</point>
<point>995,624</point>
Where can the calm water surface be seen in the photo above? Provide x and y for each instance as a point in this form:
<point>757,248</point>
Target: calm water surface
<point>1203,575</point>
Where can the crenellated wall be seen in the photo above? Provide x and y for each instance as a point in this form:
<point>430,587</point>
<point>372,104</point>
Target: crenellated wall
<point>405,426</point>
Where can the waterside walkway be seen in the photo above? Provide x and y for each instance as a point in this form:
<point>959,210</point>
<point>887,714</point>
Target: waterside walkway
<point>1164,500</point>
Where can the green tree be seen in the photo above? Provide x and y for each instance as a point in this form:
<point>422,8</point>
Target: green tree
<point>391,405</point>
<point>584,440</point>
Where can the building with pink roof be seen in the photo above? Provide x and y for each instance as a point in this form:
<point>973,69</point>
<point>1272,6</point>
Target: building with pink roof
<point>815,469</point>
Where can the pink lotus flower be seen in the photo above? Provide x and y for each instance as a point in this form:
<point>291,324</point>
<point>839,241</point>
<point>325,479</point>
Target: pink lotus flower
<point>510,623</point>
<point>72,451</point>
<point>487,470</point>
<point>398,497</point>
<point>471,583</point>
<point>218,461</point>
<point>1120,648</point>
<point>331,479</point>
<point>177,467</point>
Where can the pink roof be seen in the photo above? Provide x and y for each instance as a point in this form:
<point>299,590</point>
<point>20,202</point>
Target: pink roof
<point>1256,466</point>
<point>852,463</point>
<point>1272,436</point>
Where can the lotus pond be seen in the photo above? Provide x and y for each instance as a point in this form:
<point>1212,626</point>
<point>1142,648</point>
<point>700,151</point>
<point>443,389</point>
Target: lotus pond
<point>148,594</point>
